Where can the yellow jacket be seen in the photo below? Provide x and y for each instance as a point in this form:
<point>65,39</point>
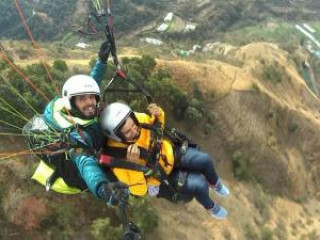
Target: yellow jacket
<point>136,180</point>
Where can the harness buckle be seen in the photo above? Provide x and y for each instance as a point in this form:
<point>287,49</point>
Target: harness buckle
<point>159,131</point>
<point>48,184</point>
<point>184,147</point>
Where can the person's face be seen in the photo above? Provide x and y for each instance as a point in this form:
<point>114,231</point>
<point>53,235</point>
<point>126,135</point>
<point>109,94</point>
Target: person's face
<point>86,104</point>
<point>130,130</point>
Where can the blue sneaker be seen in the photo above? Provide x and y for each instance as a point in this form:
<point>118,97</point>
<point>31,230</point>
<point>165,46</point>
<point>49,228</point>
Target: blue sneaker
<point>218,212</point>
<point>220,189</point>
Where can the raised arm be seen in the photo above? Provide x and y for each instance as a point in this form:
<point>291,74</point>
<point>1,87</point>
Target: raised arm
<point>99,69</point>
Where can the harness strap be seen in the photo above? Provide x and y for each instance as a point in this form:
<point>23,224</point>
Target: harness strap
<point>121,152</point>
<point>156,169</point>
<point>171,134</point>
<point>115,157</point>
<point>121,163</point>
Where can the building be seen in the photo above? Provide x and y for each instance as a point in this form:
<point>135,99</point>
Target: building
<point>169,17</point>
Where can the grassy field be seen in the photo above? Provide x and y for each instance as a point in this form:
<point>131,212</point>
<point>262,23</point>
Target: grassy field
<point>316,26</point>
<point>282,33</point>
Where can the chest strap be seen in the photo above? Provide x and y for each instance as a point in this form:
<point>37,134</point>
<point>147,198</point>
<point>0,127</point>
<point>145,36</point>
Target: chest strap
<point>110,161</point>
<point>121,152</point>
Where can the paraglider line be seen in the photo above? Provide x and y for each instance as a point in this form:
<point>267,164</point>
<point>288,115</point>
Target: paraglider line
<point>24,77</point>
<point>35,45</point>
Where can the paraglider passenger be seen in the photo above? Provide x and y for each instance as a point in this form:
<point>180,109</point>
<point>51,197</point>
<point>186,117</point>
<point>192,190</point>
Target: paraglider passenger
<point>175,168</point>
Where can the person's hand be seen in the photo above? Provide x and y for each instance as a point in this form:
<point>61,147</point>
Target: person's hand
<point>104,51</point>
<point>114,192</point>
<point>154,109</point>
<point>133,153</point>
<point>131,232</point>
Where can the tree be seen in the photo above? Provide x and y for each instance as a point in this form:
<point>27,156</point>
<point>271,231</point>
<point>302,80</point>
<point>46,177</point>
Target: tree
<point>60,65</point>
<point>193,116</point>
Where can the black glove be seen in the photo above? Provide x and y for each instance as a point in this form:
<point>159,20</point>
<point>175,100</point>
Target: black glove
<point>104,51</point>
<point>132,232</point>
<point>114,192</point>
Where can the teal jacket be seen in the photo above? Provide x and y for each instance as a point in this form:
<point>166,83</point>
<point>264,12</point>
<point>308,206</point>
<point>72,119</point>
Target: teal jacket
<point>87,141</point>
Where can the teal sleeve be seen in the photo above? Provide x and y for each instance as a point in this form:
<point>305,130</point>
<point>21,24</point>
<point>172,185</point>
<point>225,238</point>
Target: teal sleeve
<point>98,71</point>
<point>90,171</point>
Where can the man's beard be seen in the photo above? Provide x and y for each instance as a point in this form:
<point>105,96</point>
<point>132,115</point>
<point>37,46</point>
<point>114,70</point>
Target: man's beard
<point>80,114</point>
<point>89,111</point>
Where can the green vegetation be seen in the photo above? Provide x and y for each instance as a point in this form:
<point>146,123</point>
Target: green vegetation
<point>2,194</point>
<point>208,129</point>
<point>161,87</point>
<point>271,72</point>
<point>53,20</point>
<point>262,203</point>
<point>48,21</point>
<point>241,167</point>
<point>255,87</point>
<point>99,220</point>
<point>62,221</point>
<point>313,235</point>
<point>19,101</point>
<point>283,33</point>
<point>250,232</point>
<point>266,234</point>
<point>65,215</point>
<point>281,231</point>
<point>192,115</point>
<point>102,230</point>
<point>316,26</point>
<point>144,215</point>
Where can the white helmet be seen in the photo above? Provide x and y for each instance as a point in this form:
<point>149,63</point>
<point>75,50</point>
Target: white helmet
<point>79,85</point>
<point>113,117</point>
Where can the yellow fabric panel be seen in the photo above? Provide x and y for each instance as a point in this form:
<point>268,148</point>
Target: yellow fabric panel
<point>134,179</point>
<point>145,118</point>
<point>167,150</point>
<point>161,117</point>
<point>153,181</point>
<point>144,139</point>
<point>42,174</point>
<point>61,187</point>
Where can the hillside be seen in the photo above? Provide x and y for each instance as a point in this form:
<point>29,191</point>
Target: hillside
<point>266,115</point>
<point>265,144</point>
<point>275,126</point>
